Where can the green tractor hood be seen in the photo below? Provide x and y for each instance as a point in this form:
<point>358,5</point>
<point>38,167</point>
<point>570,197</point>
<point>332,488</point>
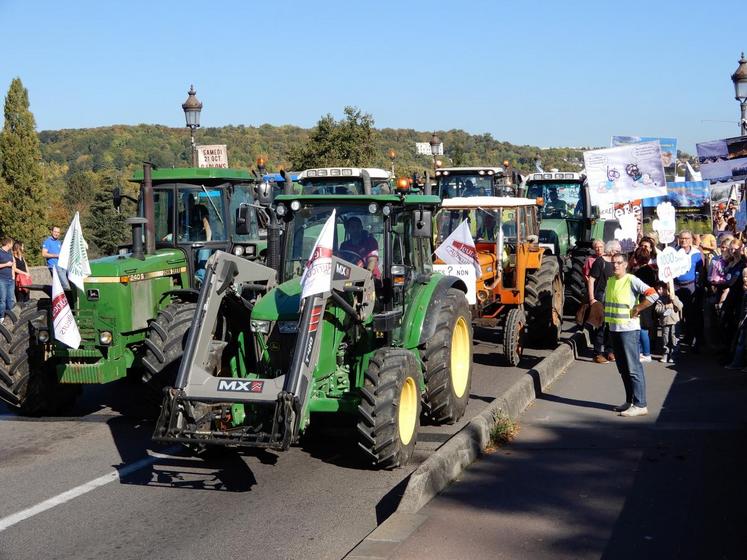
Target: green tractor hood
<point>281,303</point>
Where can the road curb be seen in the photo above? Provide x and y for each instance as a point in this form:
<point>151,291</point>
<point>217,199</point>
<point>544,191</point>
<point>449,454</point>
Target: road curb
<point>448,461</point>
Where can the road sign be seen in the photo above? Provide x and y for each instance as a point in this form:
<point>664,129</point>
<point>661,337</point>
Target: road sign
<point>212,156</point>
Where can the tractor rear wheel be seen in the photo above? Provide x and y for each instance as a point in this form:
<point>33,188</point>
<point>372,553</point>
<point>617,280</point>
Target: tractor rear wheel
<point>513,336</point>
<point>543,302</point>
<point>28,381</point>
<point>164,347</point>
<point>447,357</point>
<point>389,412</point>
<point>575,280</point>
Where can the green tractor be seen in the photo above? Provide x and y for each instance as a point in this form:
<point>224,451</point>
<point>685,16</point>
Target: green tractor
<point>390,338</point>
<point>569,224</point>
<point>138,304</point>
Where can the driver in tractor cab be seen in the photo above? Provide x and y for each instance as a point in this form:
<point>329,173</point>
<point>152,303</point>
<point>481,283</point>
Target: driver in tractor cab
<point>361,243</point>
<point>555,204</point>
<point>470,189</point>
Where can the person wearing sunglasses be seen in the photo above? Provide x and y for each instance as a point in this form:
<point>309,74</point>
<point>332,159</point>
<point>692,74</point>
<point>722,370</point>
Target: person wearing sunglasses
<point>622,315</point>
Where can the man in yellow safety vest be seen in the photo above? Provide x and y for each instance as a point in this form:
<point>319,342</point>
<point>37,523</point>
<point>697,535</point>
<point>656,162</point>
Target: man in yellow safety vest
<point>623,304</point>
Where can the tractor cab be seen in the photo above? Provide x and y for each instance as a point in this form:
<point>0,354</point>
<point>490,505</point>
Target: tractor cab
<point>345,180</point>
<point>195,210</point>
<point>466,182</point>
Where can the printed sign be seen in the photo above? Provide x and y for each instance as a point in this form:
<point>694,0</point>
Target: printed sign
<point>672,263</point>
<point>63,321</point>
<point>625,173</point>
<point>74,254</point>
<point>317,276</point>
<point>666,224</point>
<point>459,248</point>
<point>212,156</point>
<point>668,150</point>
<point>464,272</point>
<point>727,203</point>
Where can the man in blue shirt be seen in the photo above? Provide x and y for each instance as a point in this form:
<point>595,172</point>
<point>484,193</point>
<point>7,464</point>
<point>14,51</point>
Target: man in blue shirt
<point>7,286</point>
<point>51,248</point>
<point>685,286</point>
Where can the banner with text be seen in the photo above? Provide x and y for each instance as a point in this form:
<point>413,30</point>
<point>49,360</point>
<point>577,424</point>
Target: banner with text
<point>668,150</point>
<point>212,156</point>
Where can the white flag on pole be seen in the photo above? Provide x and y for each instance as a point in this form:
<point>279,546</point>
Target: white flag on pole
<point>317,276</point>
<point>65,327</point>
<point>459,248</point>
<point>74,254</point>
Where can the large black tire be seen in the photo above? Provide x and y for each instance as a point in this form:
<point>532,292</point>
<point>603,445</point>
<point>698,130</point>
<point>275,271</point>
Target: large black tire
<point>543,303</point>
<point>164,346</point>
<point>447,357</point>
<point>28,382</point>
<point>513,336</point>
<point>575,281</point>
<point>389,411</point>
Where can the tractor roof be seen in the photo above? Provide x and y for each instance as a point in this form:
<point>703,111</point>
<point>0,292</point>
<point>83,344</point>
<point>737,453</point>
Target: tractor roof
<point>473,202</point>
<point>408,199</point>
<point>469,170</point>
<point>326,172</point>
<point>196,174</point>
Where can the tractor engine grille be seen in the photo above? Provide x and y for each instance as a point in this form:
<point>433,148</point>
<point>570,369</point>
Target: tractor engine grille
<point>281,347</point>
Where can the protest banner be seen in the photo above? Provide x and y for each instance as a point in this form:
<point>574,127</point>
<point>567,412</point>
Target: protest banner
<point>665,225</point>
<point>74,254</point>
<point>459,248</point>
<point>692,205</point>
<point>668,150</point>
<point>625,173</point>
<point>466,273</point>
<point>672,263</point>
<point>723,160</point>
<point>63,320</point>
<point>727,201</point>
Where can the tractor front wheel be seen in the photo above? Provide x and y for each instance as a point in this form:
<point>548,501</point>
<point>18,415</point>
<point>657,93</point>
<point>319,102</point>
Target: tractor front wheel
<point>389,412</point>
<point>28,381</point>
<point>164,347</point>
<point>447,357</point>
<point>513,336</point>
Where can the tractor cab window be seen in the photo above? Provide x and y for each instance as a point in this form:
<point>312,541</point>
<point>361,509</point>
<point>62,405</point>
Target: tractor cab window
<point>452,186</point>
<point>244,194</point>
<point>200,215</point>
<point>358,237</point>
<point>562,200</point>
<point>332,185</point>
<point>163,210</point>
<point>482,223</point>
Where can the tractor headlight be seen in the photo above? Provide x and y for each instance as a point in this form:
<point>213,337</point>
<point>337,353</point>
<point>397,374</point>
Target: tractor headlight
<point>257,326</point>
<point>42,336</point>
<point>105,338</point>
<point>238,250</point>
<point>249,250</point>
<point>296,205</point>
<point>280,210</point>
<point>288,327</point>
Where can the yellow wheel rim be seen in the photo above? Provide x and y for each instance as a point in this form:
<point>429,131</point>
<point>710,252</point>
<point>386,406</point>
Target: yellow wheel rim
<point>460,357</point>
<point>408,410</point>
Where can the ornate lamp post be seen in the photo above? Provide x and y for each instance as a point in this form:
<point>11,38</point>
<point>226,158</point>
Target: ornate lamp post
<point>435,143</point>
<point>392,154</point>
<point>739,77</point>
<point>192,107</point>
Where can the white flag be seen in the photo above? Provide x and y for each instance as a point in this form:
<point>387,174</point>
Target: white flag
<point>65,327</point>
<point>459,248</point>
<point>74,255</point>
<point>317,276</point>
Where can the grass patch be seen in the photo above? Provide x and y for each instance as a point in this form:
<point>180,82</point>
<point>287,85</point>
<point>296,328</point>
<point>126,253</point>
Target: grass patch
<point>503,431</point>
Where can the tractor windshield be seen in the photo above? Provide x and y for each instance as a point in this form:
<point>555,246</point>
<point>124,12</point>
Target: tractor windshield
<point>562,200</point>
<point>483,224</point>
<point>200,214</point>
<point>358,236</point>
<point>244,194</point>
<point>343,185</point>
<point>452,186</point>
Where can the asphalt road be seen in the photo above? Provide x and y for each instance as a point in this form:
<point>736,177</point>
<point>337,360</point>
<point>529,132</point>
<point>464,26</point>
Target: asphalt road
<point>93,484</point>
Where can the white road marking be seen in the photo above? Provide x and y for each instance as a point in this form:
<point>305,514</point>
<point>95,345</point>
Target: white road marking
<point>9,521</point>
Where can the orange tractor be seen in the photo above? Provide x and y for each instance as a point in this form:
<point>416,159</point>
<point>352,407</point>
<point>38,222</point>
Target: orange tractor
<point>518,290</point>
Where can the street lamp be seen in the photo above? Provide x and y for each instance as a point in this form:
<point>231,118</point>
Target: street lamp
<point>740,91</point>
<point>435,143</point>
<point>192,107</point>
<point>392,154</point>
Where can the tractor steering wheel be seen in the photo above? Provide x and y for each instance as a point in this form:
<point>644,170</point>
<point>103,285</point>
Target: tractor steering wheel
<point>356,260</point>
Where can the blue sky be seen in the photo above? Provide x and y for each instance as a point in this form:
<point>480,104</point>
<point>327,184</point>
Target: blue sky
<point>542,73</point>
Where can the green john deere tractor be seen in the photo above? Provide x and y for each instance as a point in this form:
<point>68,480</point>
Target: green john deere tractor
<point>569,223</point>
<point>136,305</point>
<point>388,339</point>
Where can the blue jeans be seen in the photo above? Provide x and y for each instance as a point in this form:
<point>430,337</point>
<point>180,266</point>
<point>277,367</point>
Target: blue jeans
<point>7,295</point>
<point>628,362</point>
<point>645,343</point>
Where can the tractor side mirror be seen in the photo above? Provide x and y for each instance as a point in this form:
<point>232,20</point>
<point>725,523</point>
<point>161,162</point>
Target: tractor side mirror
<point>117,198</point>
<point>242,219</point>
<point>423,224</point>
<point>264,193</point>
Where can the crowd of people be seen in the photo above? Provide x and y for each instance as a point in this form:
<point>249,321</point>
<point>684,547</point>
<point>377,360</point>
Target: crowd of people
<point>702,310</point>
<point>15,275</point>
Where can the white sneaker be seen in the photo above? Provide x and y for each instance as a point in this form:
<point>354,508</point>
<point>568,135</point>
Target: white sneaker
<point>623,407</point>
<point>645,358</point>
<point>634,411</point>
<point>664,358</point>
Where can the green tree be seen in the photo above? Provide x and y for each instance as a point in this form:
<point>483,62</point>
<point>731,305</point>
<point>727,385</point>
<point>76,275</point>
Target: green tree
<point>23,214</point>
<point>81,187</point>
<point>348,142</point>
<point>104,228</point>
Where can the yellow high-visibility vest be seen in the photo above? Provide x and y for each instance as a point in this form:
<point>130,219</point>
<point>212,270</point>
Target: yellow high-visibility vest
<point>619,301</point>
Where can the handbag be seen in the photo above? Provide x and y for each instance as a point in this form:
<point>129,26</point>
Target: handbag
<point>22,281</point>
<point>581,314</point>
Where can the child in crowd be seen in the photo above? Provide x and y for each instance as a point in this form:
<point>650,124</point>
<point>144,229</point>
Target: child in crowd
<point>668,312</point>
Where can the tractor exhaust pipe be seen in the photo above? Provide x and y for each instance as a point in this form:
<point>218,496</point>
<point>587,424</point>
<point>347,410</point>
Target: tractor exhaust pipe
<point>287,182</point>
<point>150,231</point>
<point>427,188</point>
<point>137,224</point>
<point>366,181</point>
